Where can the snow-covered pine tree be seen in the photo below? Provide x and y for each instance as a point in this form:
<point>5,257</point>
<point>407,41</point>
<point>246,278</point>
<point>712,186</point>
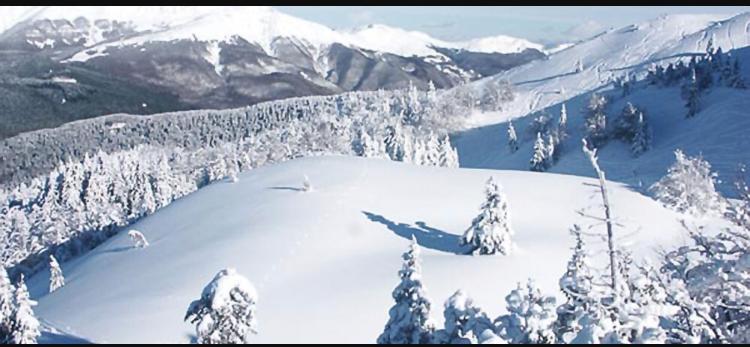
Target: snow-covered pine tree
<point>7,306</point>
<point>512,138</point>
<point>465,322</point>
<point>25,325</point>
<point>490,231</point>
<point>531,317</point>
<point>56,279</point>
<point>688,187</point>
<point>138,239</point>
<point>409,318</point>
<point>595,121</point>
<point>562,124</point>
<point>625,125</point>
<point>448,154</point>
<point>551,149</point>
<point>539,160</point>
<point>641,137</point>
<point>577,285</point>
<point>692,95</point>
<point>225,312</point>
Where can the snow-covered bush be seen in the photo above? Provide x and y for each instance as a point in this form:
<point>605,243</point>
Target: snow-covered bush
<point>531,317</point>
<point>25,325</point>
<point>225,312</point>
<point>688,187</point>
<point>490,231</point>
<point>409,318</point>
<point>138,239</point>
<point>465,322</point>
<point>56,279</point>
<point>708,282</point>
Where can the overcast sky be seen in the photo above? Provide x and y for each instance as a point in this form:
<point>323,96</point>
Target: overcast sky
<point>542,24</point>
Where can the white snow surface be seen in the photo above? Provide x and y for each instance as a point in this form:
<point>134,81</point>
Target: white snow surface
<point>325,262</point>
<point>253,23</point>
<point>632,48</point>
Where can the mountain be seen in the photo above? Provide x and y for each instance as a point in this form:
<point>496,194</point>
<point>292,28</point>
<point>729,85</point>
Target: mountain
<point>613,53</point>
<point>146,60</point>
<point>543,87</point>
<point>325,262</point>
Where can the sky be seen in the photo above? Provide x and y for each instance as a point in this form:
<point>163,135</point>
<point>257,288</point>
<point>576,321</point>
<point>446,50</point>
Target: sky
<point>543,24</point>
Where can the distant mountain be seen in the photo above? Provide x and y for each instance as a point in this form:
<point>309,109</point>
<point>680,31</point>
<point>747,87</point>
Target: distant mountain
<point>67,63</point>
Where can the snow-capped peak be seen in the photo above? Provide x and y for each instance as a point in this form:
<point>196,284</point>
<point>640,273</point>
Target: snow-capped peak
<point>260,25</point>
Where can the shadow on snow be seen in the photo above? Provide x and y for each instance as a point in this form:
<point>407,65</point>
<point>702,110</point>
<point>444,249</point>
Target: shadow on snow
<point>426,236</point>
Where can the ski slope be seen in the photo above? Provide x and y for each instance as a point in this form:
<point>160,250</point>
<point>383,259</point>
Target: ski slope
<point>325,262</point>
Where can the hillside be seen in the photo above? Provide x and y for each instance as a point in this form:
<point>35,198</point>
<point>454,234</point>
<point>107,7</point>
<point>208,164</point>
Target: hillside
<point>716,132</point>
<point>325,262</point>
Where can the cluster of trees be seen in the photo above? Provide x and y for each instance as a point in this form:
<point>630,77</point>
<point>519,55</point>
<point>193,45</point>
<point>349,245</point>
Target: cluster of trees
<point>631,126</point>
<point>83,181</point>
<point>550,137</point>
<point>17,322</point>
<point>713,68</point>
<point>699,293</point>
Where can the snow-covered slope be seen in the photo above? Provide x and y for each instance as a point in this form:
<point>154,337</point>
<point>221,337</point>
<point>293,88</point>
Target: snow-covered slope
<point>633,48</point>
<point>325,262</point>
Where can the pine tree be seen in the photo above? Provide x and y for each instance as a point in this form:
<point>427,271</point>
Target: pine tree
<point>225,312</point>
<point>551,150</point>
<point>692,95</point>
<point>512,138</point>
<point>642,136</point>
<point>539,160</point>
<point>577,285</point>
<point>562,124</point>
<point>25,325</point>
<point>409,319</point>
<point>531,317</point>
<point>56,279</point>
<point>688,187</point>
<point>7,307</point>
<point>490,231</point>
<point>465,322</point>
<point>596,120</point>
<point>448,154</point>
<point>625,125</point>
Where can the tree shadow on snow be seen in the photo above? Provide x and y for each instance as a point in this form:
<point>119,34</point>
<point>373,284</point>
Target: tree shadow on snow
<point>117,249</point>
<point>426,236</point>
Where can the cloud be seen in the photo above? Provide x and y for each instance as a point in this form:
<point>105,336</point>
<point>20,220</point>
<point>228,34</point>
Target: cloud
<point>362,17</point>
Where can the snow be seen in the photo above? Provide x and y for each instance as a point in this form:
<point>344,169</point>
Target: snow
<point>255,24</point>
<point>329,259</point>
<point>539,83</point>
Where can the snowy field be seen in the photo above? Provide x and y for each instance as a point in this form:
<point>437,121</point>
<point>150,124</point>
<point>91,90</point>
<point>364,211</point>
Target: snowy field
<point>324,262</point>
